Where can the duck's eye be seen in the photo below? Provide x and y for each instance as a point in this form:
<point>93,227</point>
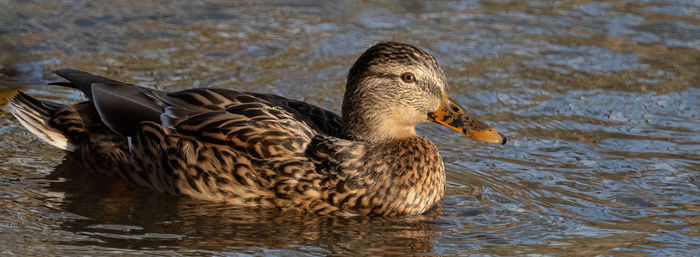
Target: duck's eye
<point>408,77</point>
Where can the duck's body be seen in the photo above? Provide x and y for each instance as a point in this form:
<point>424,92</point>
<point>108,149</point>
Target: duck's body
<point>258,149</point>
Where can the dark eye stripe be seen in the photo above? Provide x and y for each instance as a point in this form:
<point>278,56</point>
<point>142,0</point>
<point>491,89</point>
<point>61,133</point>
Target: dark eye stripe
<point>425,86</point>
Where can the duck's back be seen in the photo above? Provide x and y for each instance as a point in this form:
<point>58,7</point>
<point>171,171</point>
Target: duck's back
<point>213,144</point>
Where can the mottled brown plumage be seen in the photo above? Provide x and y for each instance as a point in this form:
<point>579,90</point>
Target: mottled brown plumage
<point>265,150</point>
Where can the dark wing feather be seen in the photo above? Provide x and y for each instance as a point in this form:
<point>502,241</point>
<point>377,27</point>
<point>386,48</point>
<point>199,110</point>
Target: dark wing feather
<point>122,107</point>
<point>80,80</point>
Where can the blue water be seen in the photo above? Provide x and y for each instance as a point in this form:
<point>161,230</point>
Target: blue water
<point>600,102</point>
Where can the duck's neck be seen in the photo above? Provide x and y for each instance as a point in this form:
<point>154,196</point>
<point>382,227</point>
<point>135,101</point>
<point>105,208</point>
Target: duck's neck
<point>376,123</point>
<point>379,131</point>
<point>359,123</point>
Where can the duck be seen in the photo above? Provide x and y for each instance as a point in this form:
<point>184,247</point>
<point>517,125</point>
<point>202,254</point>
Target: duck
<point>268,151</point>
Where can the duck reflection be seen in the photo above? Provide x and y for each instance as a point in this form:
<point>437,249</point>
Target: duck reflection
<point>118,214</point>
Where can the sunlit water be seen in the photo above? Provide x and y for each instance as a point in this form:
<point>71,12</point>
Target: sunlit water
<point>600,101</point>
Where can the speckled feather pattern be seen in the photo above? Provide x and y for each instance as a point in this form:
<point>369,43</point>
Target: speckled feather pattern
<point>263,150</point>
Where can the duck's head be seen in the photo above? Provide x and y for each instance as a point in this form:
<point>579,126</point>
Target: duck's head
<point>393,87</point>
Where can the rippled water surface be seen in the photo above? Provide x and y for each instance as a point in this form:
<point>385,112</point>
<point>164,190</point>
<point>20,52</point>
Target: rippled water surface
<point>600,100</point>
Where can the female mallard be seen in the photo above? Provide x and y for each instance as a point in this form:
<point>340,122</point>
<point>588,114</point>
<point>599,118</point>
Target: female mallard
<point>265,150</point>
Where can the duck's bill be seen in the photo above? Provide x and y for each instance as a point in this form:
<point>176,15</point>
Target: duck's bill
<point>453,116</point>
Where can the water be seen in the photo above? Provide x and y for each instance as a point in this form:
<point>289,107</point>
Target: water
<point>600,101</point>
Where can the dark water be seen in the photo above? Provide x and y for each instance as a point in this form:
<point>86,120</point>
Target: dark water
<point>600,101</point>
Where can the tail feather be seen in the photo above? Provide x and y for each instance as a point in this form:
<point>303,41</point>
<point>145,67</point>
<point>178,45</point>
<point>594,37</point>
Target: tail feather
<point>35,115</point>
<point>80,80</point>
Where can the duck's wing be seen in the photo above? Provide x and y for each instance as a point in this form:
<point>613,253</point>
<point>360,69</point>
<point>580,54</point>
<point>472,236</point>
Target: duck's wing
<point>80,80</point>
<point>214,99</point>
<point>326,121</point>
<point>263,126</point>
<point>122,107</point>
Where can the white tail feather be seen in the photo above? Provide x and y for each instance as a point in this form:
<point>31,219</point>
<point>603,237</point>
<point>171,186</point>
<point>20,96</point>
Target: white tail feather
<point>37,123</point>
